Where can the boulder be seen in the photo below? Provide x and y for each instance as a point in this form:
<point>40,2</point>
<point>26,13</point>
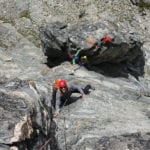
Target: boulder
<point>114,116</point>
<point>125,49</point>
<point>25,114</point>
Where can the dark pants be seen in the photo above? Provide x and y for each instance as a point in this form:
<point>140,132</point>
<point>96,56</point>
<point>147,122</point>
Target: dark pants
<point>66,99</point>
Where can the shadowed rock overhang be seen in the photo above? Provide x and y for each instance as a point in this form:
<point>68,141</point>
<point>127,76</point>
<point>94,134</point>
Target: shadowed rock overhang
<point>122,57</point>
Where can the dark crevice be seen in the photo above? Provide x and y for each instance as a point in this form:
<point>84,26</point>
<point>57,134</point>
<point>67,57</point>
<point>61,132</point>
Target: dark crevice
<point>122,69</point>
<point>141,3</point>
<point>135,67</point>
<point>43,136</point>
<point>55,61</point>
<point>34,143</point>
<point>38,140</point>
<point>119,58</point>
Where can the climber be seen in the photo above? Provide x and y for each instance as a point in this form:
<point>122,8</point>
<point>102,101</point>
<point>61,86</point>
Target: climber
<point>62,93</point>
<point>96,45</point>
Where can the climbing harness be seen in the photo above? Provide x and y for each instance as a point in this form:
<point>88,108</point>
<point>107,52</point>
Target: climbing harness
<point>75,57</point>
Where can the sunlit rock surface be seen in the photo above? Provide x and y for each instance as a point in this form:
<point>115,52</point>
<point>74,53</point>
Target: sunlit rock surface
<point>115,116</point>
<point>114,108</point>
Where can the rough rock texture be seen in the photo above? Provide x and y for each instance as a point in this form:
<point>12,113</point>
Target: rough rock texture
<point>26,53</point>
<point>114,116</point>
<point>142,3</point>
<point>25,112</point>
<point>56,37</point>
<point>125,50</point>
<point>24,92</point>
<point>114,108</point>
<point>133,141</point>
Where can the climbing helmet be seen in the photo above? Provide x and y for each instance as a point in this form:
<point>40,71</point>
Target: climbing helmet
<point>62,84</point>
<point>107,39</point>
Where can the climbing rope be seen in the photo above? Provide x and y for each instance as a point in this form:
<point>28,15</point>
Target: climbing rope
<point>65,134</point>
<point>45,144</point>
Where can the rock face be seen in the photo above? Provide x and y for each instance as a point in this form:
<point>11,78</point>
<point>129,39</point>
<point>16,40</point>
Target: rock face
<point>57,38</point>
<point>23,118</point>
<point>141,3</point>
<point>104,113</point>
<point>115,115</point>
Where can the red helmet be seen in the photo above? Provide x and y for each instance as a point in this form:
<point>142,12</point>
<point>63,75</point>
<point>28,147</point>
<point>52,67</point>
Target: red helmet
<point>62,84</point>
<point>107,39</point>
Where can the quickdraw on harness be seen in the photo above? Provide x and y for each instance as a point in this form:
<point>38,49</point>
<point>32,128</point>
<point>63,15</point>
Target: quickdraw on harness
<point>75,57</point>
<point>83,60</point>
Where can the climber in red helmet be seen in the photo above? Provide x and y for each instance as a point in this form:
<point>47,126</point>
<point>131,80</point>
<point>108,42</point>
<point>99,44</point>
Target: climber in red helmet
<point>105,41</point>
<point>62,93</point>
<point>96,45</point>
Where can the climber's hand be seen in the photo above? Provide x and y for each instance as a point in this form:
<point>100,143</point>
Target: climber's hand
<point>56,114</point>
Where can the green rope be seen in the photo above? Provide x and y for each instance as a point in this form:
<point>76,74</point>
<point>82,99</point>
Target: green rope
<point>76,54</point>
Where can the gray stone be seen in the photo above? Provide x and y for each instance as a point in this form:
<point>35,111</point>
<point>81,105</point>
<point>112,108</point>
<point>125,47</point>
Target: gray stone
<point>17,108</point>
<point>105,112</point>
<point>114,116</point>
<point>22,7</point>
<point>57,40</point>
